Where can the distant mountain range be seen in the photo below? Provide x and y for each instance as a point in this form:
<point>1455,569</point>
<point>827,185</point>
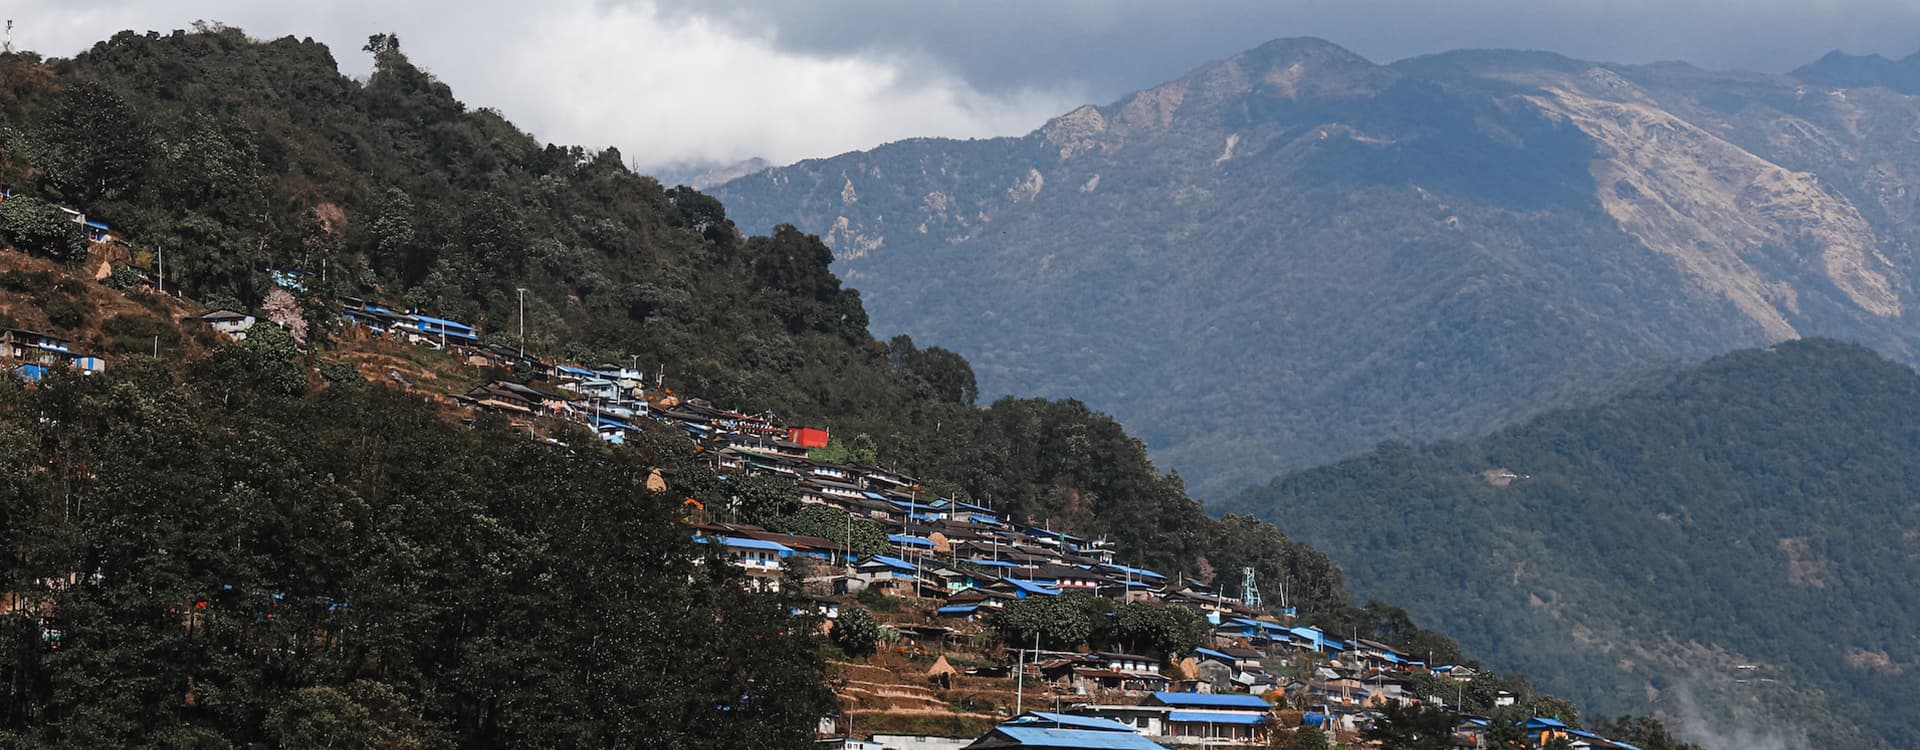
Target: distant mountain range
<point>1287,256</point>
<point>1733,548</point>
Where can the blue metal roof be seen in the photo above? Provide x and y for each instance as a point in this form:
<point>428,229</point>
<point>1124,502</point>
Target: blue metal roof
<point>892,562</point>
<point>1033,588</point>
<point>31,372</point>
<point>957,609</point>
<point>1142,572</point>
<point>571,370</point>
<point>874,495</point>
<point>1075,738</point>
<point>442,322</point>
<point>1069,721</point>
<point>916,541</point>
<point>1214,654</point>
<point>992,563</point>
<point>1216,717</point>
<point>744,543</point>
<point>1541,722</point>
<point>1212,700</point>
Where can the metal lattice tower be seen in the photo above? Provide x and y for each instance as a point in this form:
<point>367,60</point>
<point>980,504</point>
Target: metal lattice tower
<point>1249,591</point>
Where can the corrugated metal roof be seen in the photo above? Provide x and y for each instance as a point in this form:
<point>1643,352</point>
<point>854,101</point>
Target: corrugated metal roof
<point>1070,721</point>
<point>1212,700</point>
<point>1075,738</point>
<point>1217,717</point>
<point>1033,588</point>
<point>1214,654</point>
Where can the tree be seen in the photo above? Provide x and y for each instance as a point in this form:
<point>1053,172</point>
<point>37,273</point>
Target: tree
<point>1057,620</point>
<point>1413,727</point>
<point>91,145</point>
<point>855,632</point>
<point>38,228</point>
<point>285,311</point>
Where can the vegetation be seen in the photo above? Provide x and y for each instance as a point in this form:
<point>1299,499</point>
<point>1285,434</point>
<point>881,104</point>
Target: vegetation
<point>856,632</point>
<point>1703,524</point>
<point>234,561</point>
<point>1077,618</point>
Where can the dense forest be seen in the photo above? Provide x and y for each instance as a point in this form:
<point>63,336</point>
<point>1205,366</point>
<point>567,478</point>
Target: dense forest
<point>218,559</point>
<point>391,571</point>
<point>1740,534</point>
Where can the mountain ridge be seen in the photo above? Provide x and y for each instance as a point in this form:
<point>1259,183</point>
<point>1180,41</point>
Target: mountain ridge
<point>1519,228</point>
<point>1663,543</point>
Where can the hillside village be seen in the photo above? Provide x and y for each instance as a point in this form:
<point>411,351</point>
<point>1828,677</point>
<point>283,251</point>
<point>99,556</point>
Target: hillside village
<point>948,672</point>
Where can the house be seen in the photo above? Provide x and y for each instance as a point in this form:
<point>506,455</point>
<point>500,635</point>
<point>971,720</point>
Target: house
<point>921,742</point>
<point>442,331</point>
<point>1215,719</point>
<point>890,574</point>
<point>760,558</point>
<point>807,437</point>
<point>1120,662</point>
<point>34,346</point>
<point>1148,720</point>
<point>233,324</point>
<point>1051,731</point>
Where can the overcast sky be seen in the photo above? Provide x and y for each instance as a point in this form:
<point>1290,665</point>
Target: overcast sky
<point>672,81</point>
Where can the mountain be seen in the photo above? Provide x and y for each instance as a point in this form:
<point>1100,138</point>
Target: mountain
<point>703,175</point>
<point>1290,255</point>
<point>1733,547</point>
<point>1841,70</point>
<point>248,545</point>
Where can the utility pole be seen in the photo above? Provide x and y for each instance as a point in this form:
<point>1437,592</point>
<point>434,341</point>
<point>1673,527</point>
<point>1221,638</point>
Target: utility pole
<point>162,250</point>
<point>8,46</point>
<point>522,293</point>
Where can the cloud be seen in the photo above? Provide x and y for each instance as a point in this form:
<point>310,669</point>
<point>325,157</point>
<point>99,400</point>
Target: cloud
<point>718,80</point>
<point>663,88</point>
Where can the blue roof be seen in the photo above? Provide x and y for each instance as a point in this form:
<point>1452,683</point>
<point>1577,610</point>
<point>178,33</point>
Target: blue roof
<point>892,562</point>
<point>1541,722</point>
<point>571,370</point>
<point>1142,572</point>
<point>1033,588</point>
<point>874,495</point>
<point>1212,700</point>
<point>31,372</point>
<point>745,543</point>
<point>917,541</point>
<point>1070,721</point>
<point>992,563</point>
<point>101,225</point>
<point>1215,717</point>
<point>1076,738</point>
<point>442,322</point>
<point>957,609</point>
<point>1214,654</point>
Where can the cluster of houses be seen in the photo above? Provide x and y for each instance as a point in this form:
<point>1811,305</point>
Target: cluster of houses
<point>1170,719</point>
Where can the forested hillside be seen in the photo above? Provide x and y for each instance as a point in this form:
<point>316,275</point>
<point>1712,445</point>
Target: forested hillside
<point>393,572</point>
<point>1738,535</point>
<point>1287,256</point>
<point>238,158</point>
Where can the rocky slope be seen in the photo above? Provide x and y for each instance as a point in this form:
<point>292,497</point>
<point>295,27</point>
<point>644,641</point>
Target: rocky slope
<point>1289,255</point>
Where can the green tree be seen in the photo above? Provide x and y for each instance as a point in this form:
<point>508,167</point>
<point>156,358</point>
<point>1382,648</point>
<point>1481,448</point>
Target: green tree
<point>91,144</point>
<point>39,228</point>
<point>855,632</point>
<point>1057,620</point>
<point>1413,727</point>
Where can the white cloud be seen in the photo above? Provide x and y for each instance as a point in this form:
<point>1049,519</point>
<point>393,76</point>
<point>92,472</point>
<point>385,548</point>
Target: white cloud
<point>663,88</point>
